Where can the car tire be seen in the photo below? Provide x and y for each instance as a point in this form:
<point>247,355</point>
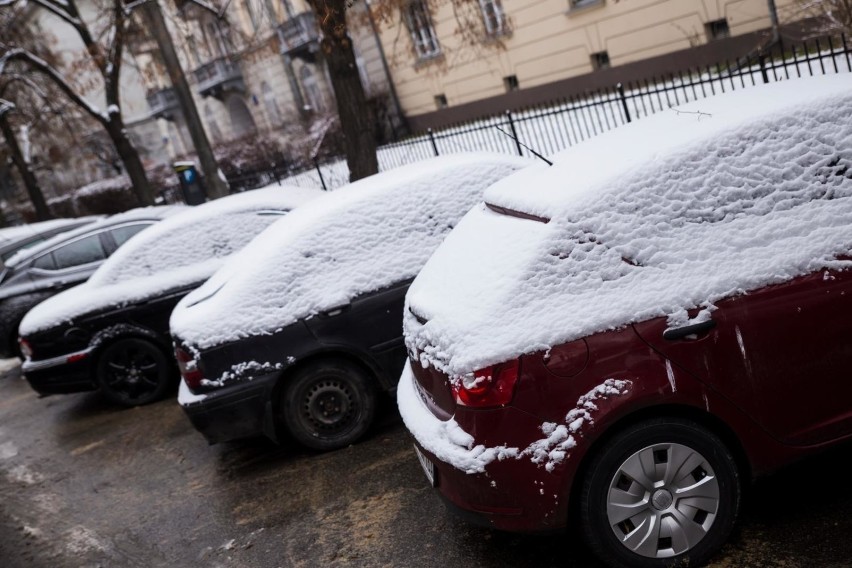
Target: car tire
<point>661,493</point>
<point>328,404</point>
<point>134,371</point>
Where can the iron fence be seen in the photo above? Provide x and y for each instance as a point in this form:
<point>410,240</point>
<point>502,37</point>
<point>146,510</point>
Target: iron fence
<point>566,121</point>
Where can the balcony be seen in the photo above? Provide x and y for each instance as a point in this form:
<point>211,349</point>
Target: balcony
<point>218,77</point>
<point>163,103</point>
<point>299,36</point>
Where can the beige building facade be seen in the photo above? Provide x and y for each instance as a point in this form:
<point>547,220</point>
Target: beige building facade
<point>528,44</point>
<point>256,72</point>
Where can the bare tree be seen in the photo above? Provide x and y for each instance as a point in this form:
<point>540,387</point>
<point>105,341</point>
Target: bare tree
<point>105,53</point>
<point>832,16</point>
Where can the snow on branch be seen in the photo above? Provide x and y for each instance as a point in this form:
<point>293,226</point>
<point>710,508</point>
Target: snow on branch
<point>40,65</point>
<point>6,106</point>
<point>58,9</point>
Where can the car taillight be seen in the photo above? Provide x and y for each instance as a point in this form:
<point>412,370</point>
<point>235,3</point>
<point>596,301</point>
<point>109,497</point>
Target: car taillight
<point>491,386</point>
<point>188,367</point>
<point>26,349</point>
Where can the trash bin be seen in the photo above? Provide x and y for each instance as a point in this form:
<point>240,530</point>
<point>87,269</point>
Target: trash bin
<point>193,190</point>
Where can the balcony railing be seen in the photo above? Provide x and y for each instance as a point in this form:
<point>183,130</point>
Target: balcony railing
<point>163,103</point>
<point>298,34</point>
<point>219,76</point>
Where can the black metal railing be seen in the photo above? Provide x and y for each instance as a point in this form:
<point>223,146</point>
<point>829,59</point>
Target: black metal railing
<point>298,32</point>
<point>557,125</point>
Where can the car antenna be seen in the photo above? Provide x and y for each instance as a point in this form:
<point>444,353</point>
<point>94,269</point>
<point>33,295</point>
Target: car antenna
<point>534,153</point>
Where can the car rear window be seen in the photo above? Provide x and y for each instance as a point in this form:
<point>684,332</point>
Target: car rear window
<point>121,234</point>
<point>83,251</point>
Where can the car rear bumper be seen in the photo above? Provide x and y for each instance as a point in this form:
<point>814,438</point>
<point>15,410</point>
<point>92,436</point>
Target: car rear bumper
<point>491,481</point>
<point>61,375</point>
<point>242,410</point>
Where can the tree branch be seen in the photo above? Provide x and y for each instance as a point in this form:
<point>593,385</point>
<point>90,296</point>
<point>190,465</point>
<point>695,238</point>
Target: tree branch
<point>61,13</point>
<point>55,77</point>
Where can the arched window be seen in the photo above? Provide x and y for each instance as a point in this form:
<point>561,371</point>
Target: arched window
<point>241,121</point>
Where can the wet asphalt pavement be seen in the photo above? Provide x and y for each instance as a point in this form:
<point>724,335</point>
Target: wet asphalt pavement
<point>84,483</point>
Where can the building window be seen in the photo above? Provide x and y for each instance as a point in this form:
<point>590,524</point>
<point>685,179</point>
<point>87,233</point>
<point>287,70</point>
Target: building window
<point>422,33</point>
<point>717,29</point>
<point>580,4</point>
<point>212,125</point>
<point>441,101</point>
<point>273,112</point>
<point>600,60</point>
<point>493,16</point>
<point>511,83</point>
<point>314,98</point>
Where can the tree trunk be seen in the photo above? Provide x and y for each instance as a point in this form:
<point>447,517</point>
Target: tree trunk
<point>216,186</point>
<point>30,182</point>
<point>356,120</point>
<point>130,158</point>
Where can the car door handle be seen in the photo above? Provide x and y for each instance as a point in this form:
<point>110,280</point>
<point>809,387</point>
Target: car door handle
<point>59,284</point>
<point>693,329</point>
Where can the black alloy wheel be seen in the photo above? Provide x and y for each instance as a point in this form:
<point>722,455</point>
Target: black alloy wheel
<point>133,372</point>
<point>328,404</point>
<point>662,493</point>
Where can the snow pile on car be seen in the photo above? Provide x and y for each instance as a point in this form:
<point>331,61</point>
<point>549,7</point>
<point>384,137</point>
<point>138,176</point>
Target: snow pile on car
<point>181,251</point>
<point>361,238</point>
<point>673,212</point>
<point>10,234</point>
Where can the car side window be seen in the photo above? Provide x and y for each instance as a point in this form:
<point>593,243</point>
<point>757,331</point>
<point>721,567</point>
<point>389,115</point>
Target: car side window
<point>80,252</point>
<point>45,262</point>
<point>121,234</point>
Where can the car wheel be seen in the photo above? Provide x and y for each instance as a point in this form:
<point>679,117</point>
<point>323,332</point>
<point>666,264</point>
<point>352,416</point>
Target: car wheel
<point>134,371</point>
<point>328,404</point>
<point>662,493</point>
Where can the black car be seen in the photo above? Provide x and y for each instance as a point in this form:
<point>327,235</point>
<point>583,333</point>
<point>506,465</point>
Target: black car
<point>65,260</point>
<point>301,332</point>
<point>112,333</point>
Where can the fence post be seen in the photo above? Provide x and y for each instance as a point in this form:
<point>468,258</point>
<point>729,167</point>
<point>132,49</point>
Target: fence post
<point>623,98</point>
<point>432,140</point>
<point>762,61</point>
<point>514,133</point>
<point>319,171</point>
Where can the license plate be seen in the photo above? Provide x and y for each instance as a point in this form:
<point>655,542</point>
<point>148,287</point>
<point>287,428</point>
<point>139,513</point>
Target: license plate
<point>427,465</point>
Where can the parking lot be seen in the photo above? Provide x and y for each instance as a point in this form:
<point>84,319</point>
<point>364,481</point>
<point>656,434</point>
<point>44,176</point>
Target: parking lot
<point>84,483</point>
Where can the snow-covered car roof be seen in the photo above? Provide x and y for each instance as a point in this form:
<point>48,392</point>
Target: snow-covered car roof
<point>670,213</point>
<point>10,234</point>
<point>180,251</point>
<point>361,238</point>
<point>139,214</point>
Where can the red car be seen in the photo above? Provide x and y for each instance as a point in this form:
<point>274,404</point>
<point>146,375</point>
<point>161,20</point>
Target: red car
<point>619,343</point>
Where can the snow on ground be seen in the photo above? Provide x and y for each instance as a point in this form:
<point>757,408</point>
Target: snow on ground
<point>669,213</point>
<point>361,238</point>
<point>178,252</point>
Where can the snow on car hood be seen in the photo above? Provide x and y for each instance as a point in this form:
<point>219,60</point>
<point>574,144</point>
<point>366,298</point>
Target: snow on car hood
<point>358,239</point>
<point>180,251</point>
<point>675,211</point>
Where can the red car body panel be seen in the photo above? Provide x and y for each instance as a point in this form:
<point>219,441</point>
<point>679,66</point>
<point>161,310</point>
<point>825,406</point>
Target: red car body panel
<point>786,399</point>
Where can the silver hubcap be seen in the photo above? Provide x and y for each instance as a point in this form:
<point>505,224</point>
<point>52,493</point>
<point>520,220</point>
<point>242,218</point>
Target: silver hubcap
<point>663,500</point>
